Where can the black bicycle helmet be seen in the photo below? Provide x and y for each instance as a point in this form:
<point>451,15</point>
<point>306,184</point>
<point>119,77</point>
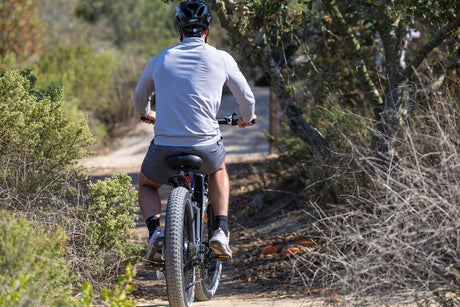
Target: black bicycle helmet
<point>193,17</point>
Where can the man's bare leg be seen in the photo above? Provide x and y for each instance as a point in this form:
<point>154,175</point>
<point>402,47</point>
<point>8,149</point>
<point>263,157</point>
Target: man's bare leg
<point>149,197</point>
<point>219,192</point>
<point>150,205</point>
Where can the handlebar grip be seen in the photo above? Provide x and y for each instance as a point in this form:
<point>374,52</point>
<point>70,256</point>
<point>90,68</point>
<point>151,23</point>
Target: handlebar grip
<point>222,122</point>
<point>234,122</point>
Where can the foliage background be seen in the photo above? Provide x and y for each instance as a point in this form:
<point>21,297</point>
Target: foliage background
<point>58,228</point>
<point>349,108</point>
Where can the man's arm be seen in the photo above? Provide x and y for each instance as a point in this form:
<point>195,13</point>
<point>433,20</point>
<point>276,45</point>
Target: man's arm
<point>144,97</point>
<point>239,87</point>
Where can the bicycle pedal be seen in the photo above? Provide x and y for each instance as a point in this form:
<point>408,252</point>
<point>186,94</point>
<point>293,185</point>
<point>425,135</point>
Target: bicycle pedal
<point>222,258</point>
<point>154,264</point>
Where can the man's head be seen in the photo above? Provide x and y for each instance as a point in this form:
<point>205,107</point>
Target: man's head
<point>193,18</point>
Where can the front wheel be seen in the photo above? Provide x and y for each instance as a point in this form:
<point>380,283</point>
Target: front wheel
<point>179,269</point>
<point>208,274</point>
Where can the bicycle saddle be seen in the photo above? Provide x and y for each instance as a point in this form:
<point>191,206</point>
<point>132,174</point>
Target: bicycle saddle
<point>184,162</point>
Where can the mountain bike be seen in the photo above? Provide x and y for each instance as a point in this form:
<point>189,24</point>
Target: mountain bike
<point>191,269</point>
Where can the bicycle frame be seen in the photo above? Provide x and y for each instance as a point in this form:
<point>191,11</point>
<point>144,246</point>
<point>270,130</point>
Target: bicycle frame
<point>197,185</point>
<point>191,268</point>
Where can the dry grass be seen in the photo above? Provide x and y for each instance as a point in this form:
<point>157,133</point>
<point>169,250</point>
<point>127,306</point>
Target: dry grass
<point>398,237</point>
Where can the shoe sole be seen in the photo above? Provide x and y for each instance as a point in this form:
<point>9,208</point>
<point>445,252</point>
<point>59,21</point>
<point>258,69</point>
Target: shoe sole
<point>155,254</point>
<point>219,249</point>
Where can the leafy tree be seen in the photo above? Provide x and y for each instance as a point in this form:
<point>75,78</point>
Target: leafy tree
<point>393,23</point>
<point>21,29</point>
<point>331,35</point>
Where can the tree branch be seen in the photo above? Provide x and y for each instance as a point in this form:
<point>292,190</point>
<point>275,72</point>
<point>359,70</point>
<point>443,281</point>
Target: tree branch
<point>221,7</point>
<point>390,36</point>
<point>444,33</point>
<point>448,65</point>
<point>296,121</point>
<point>355,51</point>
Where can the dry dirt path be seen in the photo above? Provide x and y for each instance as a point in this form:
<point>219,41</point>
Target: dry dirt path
<point>241,145</point>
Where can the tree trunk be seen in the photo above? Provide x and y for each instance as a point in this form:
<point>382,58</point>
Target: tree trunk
<point>273,120</point>
<point>387,121</point>
<point>293,114</point>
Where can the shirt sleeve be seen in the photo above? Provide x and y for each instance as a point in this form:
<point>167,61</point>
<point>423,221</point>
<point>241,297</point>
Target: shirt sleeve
<point>239,87</point>
<point>145,89</point>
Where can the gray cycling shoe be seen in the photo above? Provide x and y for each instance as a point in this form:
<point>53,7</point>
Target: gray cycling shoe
<point>219,243</point>
<point>154,258</point>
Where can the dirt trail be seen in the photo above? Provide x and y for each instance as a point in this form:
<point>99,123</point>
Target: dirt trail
<point>241,145</point>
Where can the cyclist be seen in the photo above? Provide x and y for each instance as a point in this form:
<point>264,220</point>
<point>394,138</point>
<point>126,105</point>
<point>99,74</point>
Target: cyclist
<point>180,92</point>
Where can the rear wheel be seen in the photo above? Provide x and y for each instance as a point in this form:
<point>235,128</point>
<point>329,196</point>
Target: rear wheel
<point>179,269</point>
<point>208,274</point>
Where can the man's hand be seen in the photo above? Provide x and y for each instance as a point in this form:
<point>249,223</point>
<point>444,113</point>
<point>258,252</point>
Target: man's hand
<point>151,118</point>
<point>242,124</point>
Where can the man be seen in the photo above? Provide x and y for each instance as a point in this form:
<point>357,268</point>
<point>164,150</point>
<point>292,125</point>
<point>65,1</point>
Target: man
<point>180,92</point>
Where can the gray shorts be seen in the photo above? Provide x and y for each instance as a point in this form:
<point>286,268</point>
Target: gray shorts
<point>156,170</point>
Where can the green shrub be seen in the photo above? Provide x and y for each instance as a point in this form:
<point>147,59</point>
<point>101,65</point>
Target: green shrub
<point>36,139</point>
<point>87,78</point>
<point>86,75</point>
<point>114,206</point>
<point>119,296</point>
<point>32,270</point>
<point>101,231</point>
<point>38,150</point>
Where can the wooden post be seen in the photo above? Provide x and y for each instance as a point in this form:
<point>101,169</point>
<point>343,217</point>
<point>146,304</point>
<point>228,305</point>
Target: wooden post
<point>273,120</point>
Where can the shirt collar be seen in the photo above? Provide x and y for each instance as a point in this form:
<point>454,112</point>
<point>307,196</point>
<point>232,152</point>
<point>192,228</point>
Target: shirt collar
<point>193,40</point>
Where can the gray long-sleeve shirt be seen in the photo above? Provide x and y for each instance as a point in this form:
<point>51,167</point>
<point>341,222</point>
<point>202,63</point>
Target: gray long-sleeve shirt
<point>187,80</point>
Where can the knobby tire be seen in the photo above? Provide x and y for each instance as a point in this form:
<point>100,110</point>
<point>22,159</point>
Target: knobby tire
<point>208,274</point>
<point>180,273</point>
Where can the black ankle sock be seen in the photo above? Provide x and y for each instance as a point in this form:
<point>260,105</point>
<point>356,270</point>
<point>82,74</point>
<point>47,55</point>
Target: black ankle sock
<point>221,221</point>
<point>152,223</point>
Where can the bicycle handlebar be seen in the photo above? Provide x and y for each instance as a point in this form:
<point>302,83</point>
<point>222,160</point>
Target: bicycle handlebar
<point>143,117</point>
<point>229,119</point>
